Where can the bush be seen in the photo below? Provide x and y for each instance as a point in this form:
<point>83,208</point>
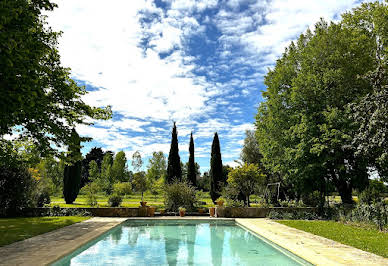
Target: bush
<point>179,194</point>
<point>16,189</point>
<point>42,198</point>
<point>376,213</point>
<point>369,195</point>
<point>115,200</point>
<point>313,199</point>
<point>90,190</point>
<point>293,215</point>
<point>122,188</point>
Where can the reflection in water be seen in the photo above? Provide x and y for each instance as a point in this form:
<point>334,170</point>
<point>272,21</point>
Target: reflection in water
<point>216,244</point>
<point>177,243</point>
<point>116,235</point>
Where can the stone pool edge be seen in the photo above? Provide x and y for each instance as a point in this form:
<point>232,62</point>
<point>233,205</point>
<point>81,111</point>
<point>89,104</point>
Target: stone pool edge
<point>49,247</point>
<point>314,249</point>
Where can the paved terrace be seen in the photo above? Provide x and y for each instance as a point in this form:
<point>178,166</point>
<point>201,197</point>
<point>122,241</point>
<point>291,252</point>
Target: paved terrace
<point>49,247</point>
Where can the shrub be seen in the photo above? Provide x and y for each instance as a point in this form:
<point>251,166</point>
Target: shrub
<point>179,194</point>
<point>90,190</point>
<point>122,188</point>
<point>42,198</point>
<point>369,195</point>
<point>293,215</point>
<point>16,189</point>
<point>376,213</point>
<point>313,199</point>
<point>115,200</point>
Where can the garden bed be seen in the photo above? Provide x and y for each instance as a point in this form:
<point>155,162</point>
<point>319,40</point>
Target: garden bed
<point>253,212</point>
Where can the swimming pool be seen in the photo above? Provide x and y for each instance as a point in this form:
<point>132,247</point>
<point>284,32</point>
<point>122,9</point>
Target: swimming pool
<point>180,242</point>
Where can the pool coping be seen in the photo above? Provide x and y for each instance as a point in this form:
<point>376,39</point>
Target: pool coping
<point>49,247</point>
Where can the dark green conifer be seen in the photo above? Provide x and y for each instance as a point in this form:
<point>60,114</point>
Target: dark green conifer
<point>191,171</point>
<point>216,174</point>
<point>174,170</point>
<point>72,171</point>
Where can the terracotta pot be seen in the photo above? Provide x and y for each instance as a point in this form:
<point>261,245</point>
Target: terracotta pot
<point>220,203</point>
<point>182,213</point>
<point>143,203</point>
<point>162,211</point>
<point>151,211</point>
<point>200,210</point>
<point>212,211</point>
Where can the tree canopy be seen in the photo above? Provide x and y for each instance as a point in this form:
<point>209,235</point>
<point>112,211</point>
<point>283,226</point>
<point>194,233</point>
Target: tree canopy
<point>37,93</point>
<point>216,170</point>
<point>304,127</point>
<point>174,169</point>
<point>191,168</point>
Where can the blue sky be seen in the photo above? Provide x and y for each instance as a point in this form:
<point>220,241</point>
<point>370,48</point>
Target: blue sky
<point>199,63</point>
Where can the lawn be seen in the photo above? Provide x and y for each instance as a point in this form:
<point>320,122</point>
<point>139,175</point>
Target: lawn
<point>133,201</point>
<point>16,229</point>
<point>364,237</point>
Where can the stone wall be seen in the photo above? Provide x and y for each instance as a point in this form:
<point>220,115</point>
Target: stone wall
<point>253,212</point>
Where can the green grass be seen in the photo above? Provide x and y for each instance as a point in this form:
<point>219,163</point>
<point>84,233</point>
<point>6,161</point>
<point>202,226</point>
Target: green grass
<point>360,236</point>
<point>16,229</point>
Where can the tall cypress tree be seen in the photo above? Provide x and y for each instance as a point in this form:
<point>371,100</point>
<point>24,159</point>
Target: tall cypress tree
<point>72,172</point>
<point>191,171</point>
<point>216,175</point>
<point>174,170</point>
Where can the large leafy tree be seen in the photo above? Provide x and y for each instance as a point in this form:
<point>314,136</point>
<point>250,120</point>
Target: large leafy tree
<point>119,168</point>
<point>95,154</point>
<point>174,169</point>
<point>304,129</point>
<point>250,152</point>
<point>157,166</point>
<point>191,169</point>
<point>37,93</point>
<point>371,112</point>
<point>216,171</point>
<point>72,172</point>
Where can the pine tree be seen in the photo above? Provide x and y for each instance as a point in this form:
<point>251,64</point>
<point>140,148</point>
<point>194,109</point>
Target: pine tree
<point>174,170</point>
<point>191,171</point>
<point>216,175</point>
<point>72,172</point>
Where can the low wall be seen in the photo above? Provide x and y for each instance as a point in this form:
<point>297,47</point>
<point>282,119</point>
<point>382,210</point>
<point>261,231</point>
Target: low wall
<point>101,212</point>
<point>253,212</point>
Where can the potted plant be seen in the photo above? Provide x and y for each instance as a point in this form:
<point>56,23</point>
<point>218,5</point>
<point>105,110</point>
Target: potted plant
<point>212,211</point>
<point>151,211</point>
<point>182,211</point>
<point>220,202</point>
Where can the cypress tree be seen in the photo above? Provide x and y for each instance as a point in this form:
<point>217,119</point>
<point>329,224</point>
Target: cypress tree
<point>216,175</point>
<point>174,170</point>
<point>191,171</point>
<point>72,172</point>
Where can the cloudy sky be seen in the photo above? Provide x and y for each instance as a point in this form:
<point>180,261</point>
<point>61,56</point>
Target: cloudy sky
<point>199,63</point>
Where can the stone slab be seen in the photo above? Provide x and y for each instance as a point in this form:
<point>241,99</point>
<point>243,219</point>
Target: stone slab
<point>315,249</point>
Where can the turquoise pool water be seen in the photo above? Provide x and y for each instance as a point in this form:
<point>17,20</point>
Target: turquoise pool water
<point>180,242</point>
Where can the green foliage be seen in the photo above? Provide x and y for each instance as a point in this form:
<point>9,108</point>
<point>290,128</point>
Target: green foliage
<point>122,188</point>
<point>191,169</point>
<point>157,167</point>
<point>376,213</point>
<point>313,199</point>
<point>250,152</point>
<point>119,168</point>
<point>106,181</point>
<point>95,154</point>
<point>369,195</point>
<point>141,183</point>
<point>246,179</point>
<point>216,171</point>
<point>72,172</point>
<point>304,128</point>
<point>90,190</point>
<point>204,182</point>
<point>137,162</point>
<point>36,91</point>
<point>51,172</point>
<point>156,187</point>
<point>115,200</point>
<point>16,189</point>
<point>179,194</point>
<point>42,198</point>
<point>174,170</point>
